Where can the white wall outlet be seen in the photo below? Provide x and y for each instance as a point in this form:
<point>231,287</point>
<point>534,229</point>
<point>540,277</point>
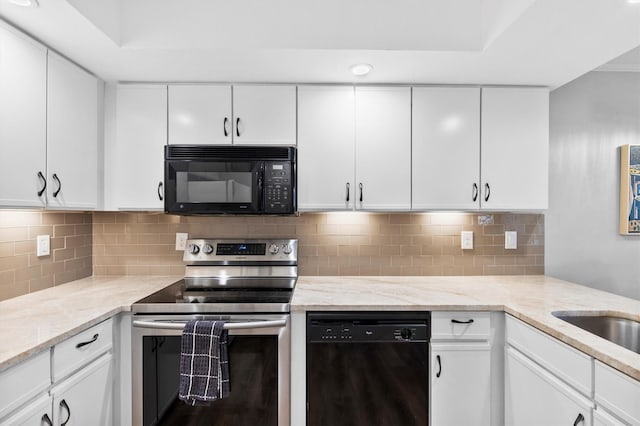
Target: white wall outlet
<point>181,240</point>
<point>466,240</point>
<point>43,245</point>
<point>510,240</point>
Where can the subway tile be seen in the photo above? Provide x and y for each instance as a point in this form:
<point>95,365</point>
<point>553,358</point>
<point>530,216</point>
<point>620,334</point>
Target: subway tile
<point>7,249</point>
<point>14,234</point>
<point>40,283</point>
<point>8,291</point>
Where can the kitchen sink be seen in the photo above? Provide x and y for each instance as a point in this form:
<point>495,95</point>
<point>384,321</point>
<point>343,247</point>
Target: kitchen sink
<point>621,331</point>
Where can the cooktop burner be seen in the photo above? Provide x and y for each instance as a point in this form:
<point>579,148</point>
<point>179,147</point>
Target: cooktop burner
<point>230,276</point>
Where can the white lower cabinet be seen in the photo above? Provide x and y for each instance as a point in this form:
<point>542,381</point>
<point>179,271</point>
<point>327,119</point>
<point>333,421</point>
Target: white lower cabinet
<point>86,398</point>
<point>535,397</point>
<point>617,393</point>
<point>36,413</point>
<point>603,418</point>
<point>460,384</point>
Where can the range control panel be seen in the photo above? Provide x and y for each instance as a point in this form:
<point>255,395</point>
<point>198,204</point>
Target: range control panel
<point>211,251</point>
<point>361,332</point>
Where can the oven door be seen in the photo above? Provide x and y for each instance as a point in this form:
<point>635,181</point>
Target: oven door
<point>259,372</point>
<point>213,187</point>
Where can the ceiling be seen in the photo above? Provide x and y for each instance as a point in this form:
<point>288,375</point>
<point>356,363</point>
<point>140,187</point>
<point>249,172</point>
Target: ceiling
<point>532,42</point>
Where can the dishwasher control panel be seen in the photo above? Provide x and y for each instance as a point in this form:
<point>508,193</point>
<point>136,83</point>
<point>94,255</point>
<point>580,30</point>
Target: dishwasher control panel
<point>336,330</point>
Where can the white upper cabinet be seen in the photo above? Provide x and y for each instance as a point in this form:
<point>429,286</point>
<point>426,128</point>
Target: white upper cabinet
<point>72,136</point>
<point>264,114</point>
<point>445,159</point>
<point>134,151</point>
<point>222,114</point>
<point>515,148</point>
<point>23,91</point>
<point>326,148</point>
<point>383,148</point>
<point>200,114</point>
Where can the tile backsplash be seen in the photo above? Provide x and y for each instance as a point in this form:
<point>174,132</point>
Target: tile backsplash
<point>22,271</point>
<point>330,243</point>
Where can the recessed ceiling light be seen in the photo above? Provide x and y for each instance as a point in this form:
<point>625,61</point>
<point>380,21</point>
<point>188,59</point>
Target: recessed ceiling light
<point>24,3</point>
<point>633,1</point>
<point>361,69</point>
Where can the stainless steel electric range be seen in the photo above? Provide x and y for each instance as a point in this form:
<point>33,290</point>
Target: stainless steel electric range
<point>246,283</point>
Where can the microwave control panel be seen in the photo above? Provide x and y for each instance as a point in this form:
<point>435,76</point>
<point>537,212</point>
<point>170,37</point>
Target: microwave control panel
<point>278,187</point>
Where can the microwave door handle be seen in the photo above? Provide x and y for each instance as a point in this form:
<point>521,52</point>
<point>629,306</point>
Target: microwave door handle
<point>228,326</point>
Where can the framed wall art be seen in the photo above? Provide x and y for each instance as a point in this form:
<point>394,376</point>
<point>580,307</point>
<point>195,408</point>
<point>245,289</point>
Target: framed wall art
<point>630,189</point>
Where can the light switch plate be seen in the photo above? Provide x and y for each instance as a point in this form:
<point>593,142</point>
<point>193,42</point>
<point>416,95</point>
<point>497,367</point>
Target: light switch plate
<point>43,244</point>
<point>181,240</point>
<point>510,240</point>
<point>466,240</point>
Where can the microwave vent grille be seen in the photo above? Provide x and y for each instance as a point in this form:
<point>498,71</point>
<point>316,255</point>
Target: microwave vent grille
<point>177,152</point>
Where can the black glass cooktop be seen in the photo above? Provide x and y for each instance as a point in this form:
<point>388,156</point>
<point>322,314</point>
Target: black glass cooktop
<point>177,298</point>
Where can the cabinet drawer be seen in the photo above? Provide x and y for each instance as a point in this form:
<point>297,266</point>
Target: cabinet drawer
<point>22,382</point>
<point>460,325</point>
<point>80,349</point>
<point>34,413</point>
<point>617,392</point>
<point>568,363</point>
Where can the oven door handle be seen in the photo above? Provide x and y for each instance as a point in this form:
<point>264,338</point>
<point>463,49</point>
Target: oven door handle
<point>228,326</point>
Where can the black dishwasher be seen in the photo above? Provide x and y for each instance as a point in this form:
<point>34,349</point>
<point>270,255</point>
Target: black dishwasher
<point>368,368</point>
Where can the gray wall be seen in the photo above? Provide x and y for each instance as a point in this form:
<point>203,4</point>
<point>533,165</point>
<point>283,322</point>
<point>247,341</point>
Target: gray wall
<point>589,119</point>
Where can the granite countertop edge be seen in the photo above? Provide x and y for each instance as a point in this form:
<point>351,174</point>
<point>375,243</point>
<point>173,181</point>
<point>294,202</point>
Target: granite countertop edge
<point>531,299</point>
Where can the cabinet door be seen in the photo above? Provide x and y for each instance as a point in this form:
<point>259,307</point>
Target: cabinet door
<point>23,112</point>
<point>325,148</point>
<point>383,148</point>
<point>200,114</point>
<point>445,161</point>
<point>135,158</point>
<point>460,384</point>
<point>36,413</point>
<point>264,115</point>
<point>515,148</point>
<point>602,418</point>
<point>534,397</point>
<point>72,136</point>
<point>86,398</point>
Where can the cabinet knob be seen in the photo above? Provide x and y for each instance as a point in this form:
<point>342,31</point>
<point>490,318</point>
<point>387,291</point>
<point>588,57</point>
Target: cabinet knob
<point>474,193</point>
<point>224,126</point>
<point>348,190</point>
<point>45,419</point>
<point>238,127</point>
<point>439,366</point>
<point>487,192</point>
<point>160,191</point>
<point>361,192</point>
<point>579,419</point>
<point>63,404</point>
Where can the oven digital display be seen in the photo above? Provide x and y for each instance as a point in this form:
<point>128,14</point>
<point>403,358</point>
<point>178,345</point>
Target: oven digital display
<point>242,249</point>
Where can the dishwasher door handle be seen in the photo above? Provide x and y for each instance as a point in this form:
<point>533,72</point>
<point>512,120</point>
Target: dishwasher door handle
<point>160,325</point>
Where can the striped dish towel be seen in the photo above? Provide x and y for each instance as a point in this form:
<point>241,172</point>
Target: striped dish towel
<point>204,366</point>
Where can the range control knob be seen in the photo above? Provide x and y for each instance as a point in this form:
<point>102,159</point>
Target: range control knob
<point>406,333</point>
<point>274,249</point>
<point>193,248</point>
<point>286,249</point>
<point>207,249</point>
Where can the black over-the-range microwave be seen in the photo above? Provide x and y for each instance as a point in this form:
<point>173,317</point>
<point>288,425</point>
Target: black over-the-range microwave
<point>230,179</point>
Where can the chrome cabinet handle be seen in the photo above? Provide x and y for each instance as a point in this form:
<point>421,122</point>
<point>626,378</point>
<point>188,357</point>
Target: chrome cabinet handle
<point>179,325</point>
<point>348,190</point>
<point>579,419</point>
<point>474,197</point>
<point>88,342</point>
<point>455,321</point>
<point>160,191</point>
<point>45,419</point>
<point>238,126</point>
<point>487,192</point>
<point>57,191</point>
<point>64,405</point>
<point>439,366</point>
<point>44,186</point>
<point>224,126</point>
<point>361,192</point>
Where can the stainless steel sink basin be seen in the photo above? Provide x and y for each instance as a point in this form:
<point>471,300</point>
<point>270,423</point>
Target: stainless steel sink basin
<point>621,331</point>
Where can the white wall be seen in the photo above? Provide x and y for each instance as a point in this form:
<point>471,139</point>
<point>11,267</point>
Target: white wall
<point>589,119</point>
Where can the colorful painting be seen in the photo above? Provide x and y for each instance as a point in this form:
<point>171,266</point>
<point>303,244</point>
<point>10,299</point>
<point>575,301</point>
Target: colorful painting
<point>630,189</point>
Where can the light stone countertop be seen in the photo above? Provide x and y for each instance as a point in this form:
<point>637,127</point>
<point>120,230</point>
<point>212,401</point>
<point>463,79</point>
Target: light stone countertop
<point>35,322</point>
<point>530,298</point>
